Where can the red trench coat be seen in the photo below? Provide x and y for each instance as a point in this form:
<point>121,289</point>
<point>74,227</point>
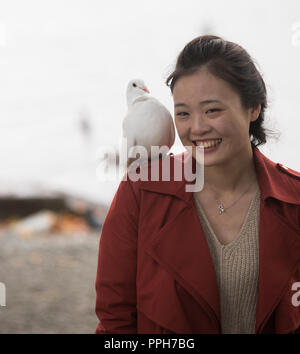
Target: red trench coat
<point>155,273</point>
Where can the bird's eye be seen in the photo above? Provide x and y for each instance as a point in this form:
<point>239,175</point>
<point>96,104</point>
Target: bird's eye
<point>134,85</point>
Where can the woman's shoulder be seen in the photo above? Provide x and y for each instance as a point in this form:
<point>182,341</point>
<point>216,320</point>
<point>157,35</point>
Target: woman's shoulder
<point>164,175</point>
<point>290,172</point>
<point>290,180</point>
<point>293,178</point>
<point>277,180</point>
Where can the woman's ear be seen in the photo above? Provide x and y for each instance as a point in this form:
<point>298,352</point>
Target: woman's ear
<point>255,111</point>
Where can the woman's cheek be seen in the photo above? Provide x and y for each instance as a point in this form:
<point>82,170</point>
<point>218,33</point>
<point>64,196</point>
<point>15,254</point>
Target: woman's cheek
<point>182,130</point>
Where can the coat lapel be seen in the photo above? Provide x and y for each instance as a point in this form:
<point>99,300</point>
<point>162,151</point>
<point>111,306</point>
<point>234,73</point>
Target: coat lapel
<point>181,248</point>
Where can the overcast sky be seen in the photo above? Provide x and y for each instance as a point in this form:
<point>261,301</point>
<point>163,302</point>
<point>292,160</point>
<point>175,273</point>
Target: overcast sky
<point>63,60</point>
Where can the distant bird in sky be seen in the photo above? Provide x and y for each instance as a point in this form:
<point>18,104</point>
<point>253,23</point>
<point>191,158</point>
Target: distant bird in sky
<point>148,122</point>
<point>85,125</point>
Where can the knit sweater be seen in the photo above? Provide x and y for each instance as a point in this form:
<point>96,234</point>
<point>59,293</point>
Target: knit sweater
<point>236,266</point>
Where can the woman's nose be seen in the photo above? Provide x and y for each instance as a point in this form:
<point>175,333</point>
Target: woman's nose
<point>199,125</point>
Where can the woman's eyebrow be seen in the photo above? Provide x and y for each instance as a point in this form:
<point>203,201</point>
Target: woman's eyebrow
<point>202,103</point>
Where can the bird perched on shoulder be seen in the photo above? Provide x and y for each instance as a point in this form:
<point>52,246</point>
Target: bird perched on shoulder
<point>148,122</point>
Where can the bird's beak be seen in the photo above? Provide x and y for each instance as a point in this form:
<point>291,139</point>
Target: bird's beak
<point>145,89</point>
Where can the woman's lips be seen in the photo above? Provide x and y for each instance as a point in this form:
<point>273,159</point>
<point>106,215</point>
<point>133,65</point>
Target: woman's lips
<point>194,141</point>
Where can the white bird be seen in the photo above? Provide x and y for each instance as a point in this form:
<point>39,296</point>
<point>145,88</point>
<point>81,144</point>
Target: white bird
<point>148,122</point>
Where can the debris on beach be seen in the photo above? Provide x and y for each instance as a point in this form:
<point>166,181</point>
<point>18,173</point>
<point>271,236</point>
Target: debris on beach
<point>69,216</point>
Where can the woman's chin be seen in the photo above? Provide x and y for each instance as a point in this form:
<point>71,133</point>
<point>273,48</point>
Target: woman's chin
<point>204,159</point>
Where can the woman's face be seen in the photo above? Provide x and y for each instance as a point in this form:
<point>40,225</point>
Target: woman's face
<point>199,120</point>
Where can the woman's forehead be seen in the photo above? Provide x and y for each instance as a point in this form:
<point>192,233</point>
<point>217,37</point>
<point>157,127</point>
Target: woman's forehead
<point>199,89</point>
<point>185,85</point>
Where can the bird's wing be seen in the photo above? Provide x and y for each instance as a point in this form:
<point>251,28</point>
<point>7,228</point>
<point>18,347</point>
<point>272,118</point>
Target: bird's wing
<point>172,133</point>
<point>148,121</point>
<point>128,131</point>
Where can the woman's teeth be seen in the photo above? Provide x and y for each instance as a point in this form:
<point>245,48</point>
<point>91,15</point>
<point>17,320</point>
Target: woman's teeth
<point>208,144</point>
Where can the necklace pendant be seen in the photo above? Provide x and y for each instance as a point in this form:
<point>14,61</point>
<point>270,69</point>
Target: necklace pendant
<point>221,208</point>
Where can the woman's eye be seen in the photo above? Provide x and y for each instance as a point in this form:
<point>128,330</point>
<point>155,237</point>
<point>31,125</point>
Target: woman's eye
<point>180,113</point>
<point>214,109</point>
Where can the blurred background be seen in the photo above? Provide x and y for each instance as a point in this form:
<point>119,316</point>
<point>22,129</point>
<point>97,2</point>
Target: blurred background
<point>64,69</point>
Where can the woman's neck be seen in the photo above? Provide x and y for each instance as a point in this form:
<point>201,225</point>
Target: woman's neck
<point>232,177</point>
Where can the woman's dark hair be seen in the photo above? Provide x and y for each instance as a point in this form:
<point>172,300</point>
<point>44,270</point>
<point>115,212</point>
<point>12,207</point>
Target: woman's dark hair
<point>230,62</point>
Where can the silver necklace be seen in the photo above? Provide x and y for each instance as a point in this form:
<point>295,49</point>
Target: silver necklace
<point>221,208</point>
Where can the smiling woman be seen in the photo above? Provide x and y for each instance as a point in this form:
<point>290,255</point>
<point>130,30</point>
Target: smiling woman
<point>229,62</point>
<point>222,260</point>
<point>219,104</point>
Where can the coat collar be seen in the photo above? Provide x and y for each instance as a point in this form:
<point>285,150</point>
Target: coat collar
<point>183,239</point>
